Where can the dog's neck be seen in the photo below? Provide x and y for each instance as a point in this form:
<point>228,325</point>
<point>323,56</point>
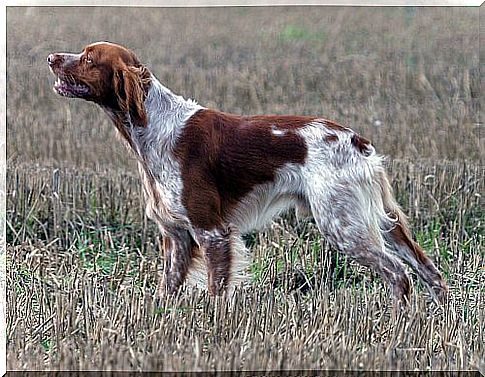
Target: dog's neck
<point>167,113</point>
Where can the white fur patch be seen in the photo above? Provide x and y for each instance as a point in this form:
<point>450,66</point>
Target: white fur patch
<point>268,200</point>
<point>278,132</point>
<point>343,186</point>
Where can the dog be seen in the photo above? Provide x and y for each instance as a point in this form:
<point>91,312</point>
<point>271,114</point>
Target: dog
<point>210,176</point>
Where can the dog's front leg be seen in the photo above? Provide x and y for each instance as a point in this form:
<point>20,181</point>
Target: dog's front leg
<point>177,248</point>
<point>217,247</point>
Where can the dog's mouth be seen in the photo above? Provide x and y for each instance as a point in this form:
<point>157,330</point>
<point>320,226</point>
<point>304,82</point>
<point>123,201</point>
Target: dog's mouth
<point>68,87</point>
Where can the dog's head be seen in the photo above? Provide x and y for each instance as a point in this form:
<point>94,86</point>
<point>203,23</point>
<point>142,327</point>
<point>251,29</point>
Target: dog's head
<point>107,74</point>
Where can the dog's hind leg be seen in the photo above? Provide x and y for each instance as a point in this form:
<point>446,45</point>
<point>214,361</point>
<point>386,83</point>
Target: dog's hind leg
<point>346,215</point>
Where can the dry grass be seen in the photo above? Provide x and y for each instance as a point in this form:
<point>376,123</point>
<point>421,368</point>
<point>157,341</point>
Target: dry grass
<point>83,275</point>
<point>82,258</point>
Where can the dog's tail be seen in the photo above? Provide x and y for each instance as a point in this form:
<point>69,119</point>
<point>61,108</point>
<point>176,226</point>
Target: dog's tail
<point>399,239</point>
<point>394,213</point>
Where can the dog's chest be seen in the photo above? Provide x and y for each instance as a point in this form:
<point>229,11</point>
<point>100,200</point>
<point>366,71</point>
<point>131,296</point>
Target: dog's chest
<point>162,187</point>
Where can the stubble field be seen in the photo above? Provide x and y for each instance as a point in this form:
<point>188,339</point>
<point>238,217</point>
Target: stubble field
<point>83,261</point>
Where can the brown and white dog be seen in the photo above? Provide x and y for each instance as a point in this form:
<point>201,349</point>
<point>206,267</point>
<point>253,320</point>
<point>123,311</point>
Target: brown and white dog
<point>209,176</point>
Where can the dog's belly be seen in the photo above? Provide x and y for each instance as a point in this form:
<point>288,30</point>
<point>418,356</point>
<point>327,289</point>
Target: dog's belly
<point>259,207</point>
<point>268,200</point>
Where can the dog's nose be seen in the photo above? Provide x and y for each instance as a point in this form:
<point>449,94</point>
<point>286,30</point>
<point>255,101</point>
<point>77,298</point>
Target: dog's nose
<point>53,59</point>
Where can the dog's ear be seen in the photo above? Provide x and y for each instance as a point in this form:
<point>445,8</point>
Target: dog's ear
<point>130,93</point>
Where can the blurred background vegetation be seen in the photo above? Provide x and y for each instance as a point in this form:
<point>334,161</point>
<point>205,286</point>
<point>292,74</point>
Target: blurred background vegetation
<point>405,77</point>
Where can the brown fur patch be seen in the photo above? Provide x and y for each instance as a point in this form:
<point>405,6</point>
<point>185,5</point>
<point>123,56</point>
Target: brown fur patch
<point>400,235</point>
<point>362,144</point>
<point>331,138</point>
<point>223,157</point>
<point>403,287</point>
<point>116,79</point>
<point>217,249</point>
<point>178,250</point>
<point>334,126</point>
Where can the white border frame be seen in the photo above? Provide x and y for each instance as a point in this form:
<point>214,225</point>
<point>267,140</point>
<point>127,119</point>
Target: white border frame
<point>215,3</point>
<point>142,3</point>
<point>3,171</point>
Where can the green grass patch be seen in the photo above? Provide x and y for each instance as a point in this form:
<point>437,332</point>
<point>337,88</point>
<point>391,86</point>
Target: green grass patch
<point>294,33</point>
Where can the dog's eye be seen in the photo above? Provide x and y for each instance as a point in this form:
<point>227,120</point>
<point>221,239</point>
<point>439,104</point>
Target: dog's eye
<point>88,60</point>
